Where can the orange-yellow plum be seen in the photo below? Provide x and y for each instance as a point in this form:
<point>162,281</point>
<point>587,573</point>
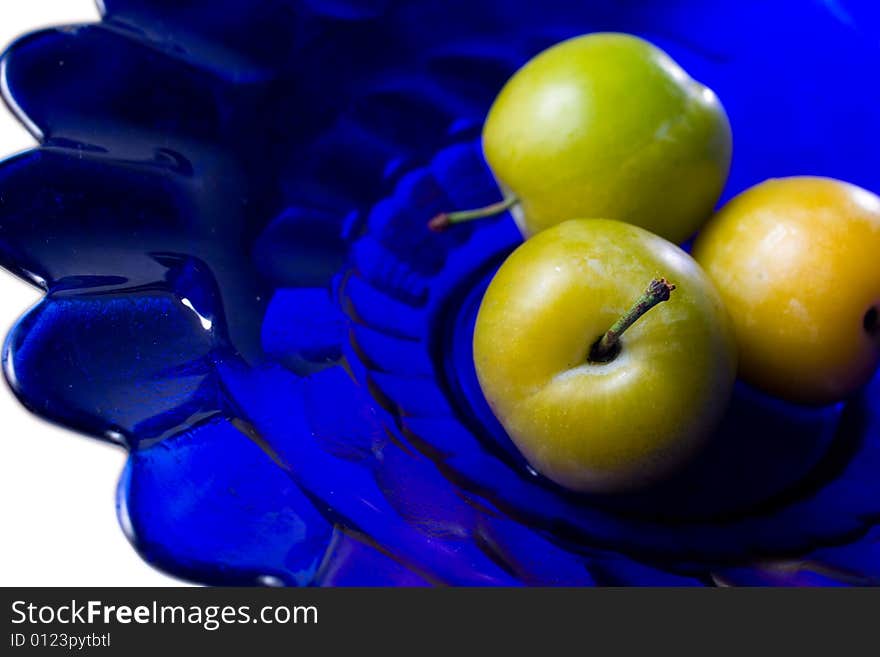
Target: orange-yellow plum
<point>797,262</point>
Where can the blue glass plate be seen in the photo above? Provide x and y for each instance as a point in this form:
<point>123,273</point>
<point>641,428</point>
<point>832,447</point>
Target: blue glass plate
<point>227,215</point>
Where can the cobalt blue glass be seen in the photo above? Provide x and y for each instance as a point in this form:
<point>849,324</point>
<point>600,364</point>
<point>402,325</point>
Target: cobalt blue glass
<point>226,213</point>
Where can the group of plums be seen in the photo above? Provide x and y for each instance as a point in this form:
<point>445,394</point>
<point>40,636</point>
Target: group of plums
<point>607,352</point>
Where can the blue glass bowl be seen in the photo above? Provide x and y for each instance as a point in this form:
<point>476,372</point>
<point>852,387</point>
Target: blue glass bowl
<point>227,215</point>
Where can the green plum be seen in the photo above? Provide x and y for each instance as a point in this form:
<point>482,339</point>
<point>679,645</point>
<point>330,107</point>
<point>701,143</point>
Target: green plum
<point>606,125</point>
<point>589,407</point>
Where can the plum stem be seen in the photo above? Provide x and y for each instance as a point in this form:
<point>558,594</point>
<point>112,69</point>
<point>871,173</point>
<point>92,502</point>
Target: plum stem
<point>872,321</point>
<point>608,346</point>
<point>445,219</point>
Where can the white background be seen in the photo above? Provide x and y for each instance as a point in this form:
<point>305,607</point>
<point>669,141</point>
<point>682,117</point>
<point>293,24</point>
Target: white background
<point>57,489</point>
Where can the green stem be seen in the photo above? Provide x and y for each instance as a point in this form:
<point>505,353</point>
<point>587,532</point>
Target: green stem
<point>608,346</point>
<point>445,219</point>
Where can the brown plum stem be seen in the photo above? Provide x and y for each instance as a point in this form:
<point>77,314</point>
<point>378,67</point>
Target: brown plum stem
<point>872,321</point>
<point>608,346</point>
<point>445,219</point>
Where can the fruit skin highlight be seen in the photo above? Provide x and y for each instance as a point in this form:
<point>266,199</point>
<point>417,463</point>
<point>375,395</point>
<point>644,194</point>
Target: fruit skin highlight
<point>608,125</point>
<point>603,427</point>
<point>797,262</point>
